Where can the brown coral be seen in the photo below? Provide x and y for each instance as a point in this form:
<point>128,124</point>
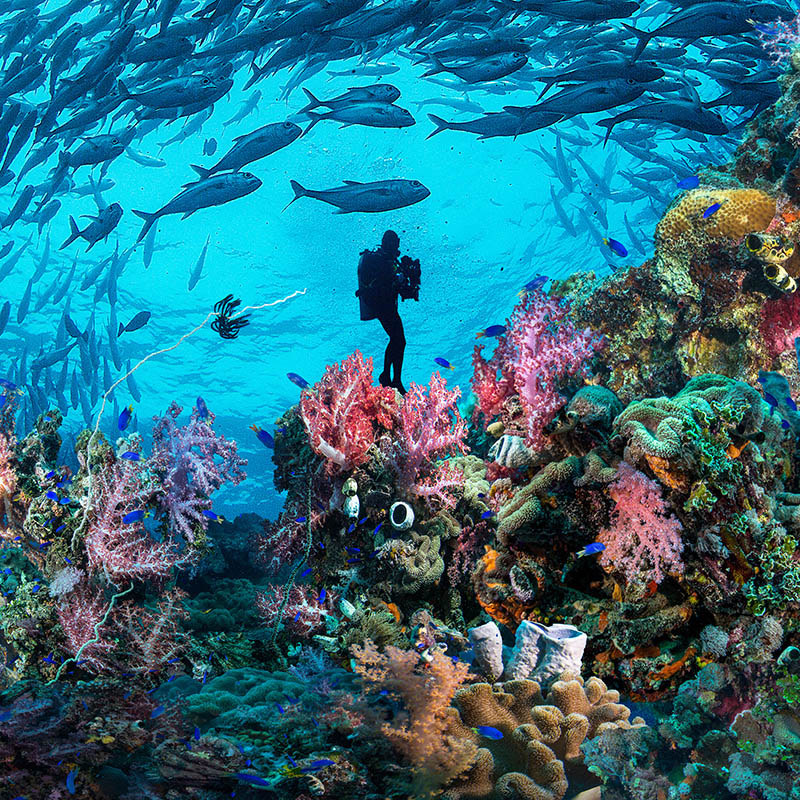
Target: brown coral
<point>539,755</point>
<point>741,211</point>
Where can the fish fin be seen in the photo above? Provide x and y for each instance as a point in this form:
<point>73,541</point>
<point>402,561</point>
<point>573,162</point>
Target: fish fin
<point>189,213</point>
<point>123,90</point>
<point>518,110</point>
<point>437,67</point>
<point>203,172</point>
<point>91,217</point>
<point>643,38</point>
<point>352,183</point>
<point>609,124</point>
<point>149,219</point>
<point>441,125</point>
<point>313,102</point>
<point>74,233</point>
<point>299,191</point>
<point>121,329</point>
<point>315,118</point>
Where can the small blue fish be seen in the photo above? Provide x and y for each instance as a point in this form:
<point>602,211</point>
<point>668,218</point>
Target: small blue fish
<point>263,436</point>
<point>377,528</point>
<point>797,349</point>
<point>353,549</point>
<point>196,733</point>
<point>35,588</point>
<point>771,399</point>
<point>305,572</point>
<point>692,182</point>
<point>351,528</point>
<point>52,495</point>
<point>785,425</point>
<point>210,514</point>
<point>64,501</point>
<point>71,781</point>
<point>297,380</point>
<point>300,519</point>
<point>133,516</point>
<point>591,549</point>
<point>444,363</point>
<point>125,418</point>
<point>534,285</point>
<point>353,560</point>
<point>489,732</point>
<point>492,330</point>
<point>281,709</point>
<point>617,248</point>
<point>50,474</point>
<point>157,712</point>
<point>712,209</point>
<point>254,779</point>
<point>129,455</point>
<point>322,595</point>
<point>487,514</point>
<point>297,616</point>
<point>320,763</point>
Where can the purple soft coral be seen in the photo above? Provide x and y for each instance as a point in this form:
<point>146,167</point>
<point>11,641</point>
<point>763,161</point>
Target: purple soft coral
<point>187,459</point>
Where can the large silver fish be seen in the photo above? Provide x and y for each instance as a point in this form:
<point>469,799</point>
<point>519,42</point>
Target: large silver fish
<point>368,198</point>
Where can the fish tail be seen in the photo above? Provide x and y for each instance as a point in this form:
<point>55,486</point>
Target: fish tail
<point>441,125</point>
<point>74,233</point>
<point>436,68</point>
<point>121,328</point>
<point>299,191</point>
<point>123,90</point>
<point>643,38</point>
<point>315,118</point>
<point>203,172</point>
<point>149,219</point>
<point>313,102</point>
<point>608,124</point>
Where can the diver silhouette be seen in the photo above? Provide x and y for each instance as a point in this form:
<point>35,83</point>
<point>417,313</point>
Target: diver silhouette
<point>381,278</point>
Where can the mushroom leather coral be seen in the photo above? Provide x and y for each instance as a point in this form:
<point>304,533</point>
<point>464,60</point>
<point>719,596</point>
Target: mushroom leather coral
<point>741,211</point>
<point>539,756</point>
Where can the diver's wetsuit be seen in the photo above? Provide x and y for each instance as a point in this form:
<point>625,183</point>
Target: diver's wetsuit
<point>377,294</point>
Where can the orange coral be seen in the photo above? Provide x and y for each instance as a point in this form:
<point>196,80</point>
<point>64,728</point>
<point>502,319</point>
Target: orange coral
<point>491,592</point>
<point>666,672</point>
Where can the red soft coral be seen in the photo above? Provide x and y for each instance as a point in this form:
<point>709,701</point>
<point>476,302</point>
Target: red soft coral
<point>780,323</point>
<point>342,410</point>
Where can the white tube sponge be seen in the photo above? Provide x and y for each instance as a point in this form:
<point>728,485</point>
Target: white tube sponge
<point>487,644</point>
<point>525,653</point>
<point>563,652</point>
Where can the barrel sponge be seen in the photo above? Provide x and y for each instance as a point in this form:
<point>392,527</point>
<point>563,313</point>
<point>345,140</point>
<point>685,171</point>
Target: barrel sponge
<point>741,211</point>
<point>539,755</point>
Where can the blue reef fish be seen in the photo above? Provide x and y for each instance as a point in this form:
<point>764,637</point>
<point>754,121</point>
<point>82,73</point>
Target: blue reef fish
<point>443,362</point>
<point>320,763</point>
<point>322,595</point>
<point>297,380</point>
<point>254,779</point>
<point>351,528</point>
<point>157,712</point>
<point>202,408</point>
<point>534,285</point>
<point>616,247</point>
<point>130,455</point>
<point>692,182</point>
<point>297,616</point>
<point>305,572</point>
<point>50,474</point>
<point>492,330</point>
<point>489,732</point>
<point>52,495</point>
<point>300,519</point>
<point>791,403</point>
<point>263,436</point>
<point>133,516</point>
<point>196,733</point>
<point>785,425</point>
<point>487,514</point>
<point>125,418</point>
<point>591,549</point>
<point>207,512</point>
<point>712,209</point>
<point>71,781</point>
<point>281,709</point>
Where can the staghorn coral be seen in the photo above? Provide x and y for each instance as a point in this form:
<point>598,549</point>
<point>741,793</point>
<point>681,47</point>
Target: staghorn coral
<point>539,755</point>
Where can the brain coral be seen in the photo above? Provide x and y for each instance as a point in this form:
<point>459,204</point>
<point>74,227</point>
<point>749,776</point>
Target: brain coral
<point>539,755</point>
<point>741,211</point>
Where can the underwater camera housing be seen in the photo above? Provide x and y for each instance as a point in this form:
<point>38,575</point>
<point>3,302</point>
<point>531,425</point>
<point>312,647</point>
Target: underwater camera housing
<point>409,274</point>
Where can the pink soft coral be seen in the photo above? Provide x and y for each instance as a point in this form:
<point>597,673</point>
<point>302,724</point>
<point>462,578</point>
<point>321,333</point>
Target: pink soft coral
<point>644,540</point>
<point>430,428</point>
<point>540,348</point>
<point>301,612</point>
<point>342,410</point>
<point>780,323</point>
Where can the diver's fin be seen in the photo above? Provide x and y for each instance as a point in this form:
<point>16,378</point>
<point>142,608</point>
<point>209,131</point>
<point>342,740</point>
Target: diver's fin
<point>203,172</point>
<point>299,191</point>
<point>441,125</point>
<point>74,233</point>
<point>643,38</point>
<point>149,219</point>
<point>313,102</point>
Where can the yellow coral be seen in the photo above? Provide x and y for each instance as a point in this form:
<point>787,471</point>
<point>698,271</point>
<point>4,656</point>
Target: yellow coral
<point>741,211</point>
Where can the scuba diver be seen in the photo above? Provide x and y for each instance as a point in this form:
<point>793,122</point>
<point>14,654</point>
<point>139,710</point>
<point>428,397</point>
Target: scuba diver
<point>381,278</point>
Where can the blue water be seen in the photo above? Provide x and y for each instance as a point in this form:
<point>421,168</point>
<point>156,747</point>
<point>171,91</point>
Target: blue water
<point>487,228</point>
